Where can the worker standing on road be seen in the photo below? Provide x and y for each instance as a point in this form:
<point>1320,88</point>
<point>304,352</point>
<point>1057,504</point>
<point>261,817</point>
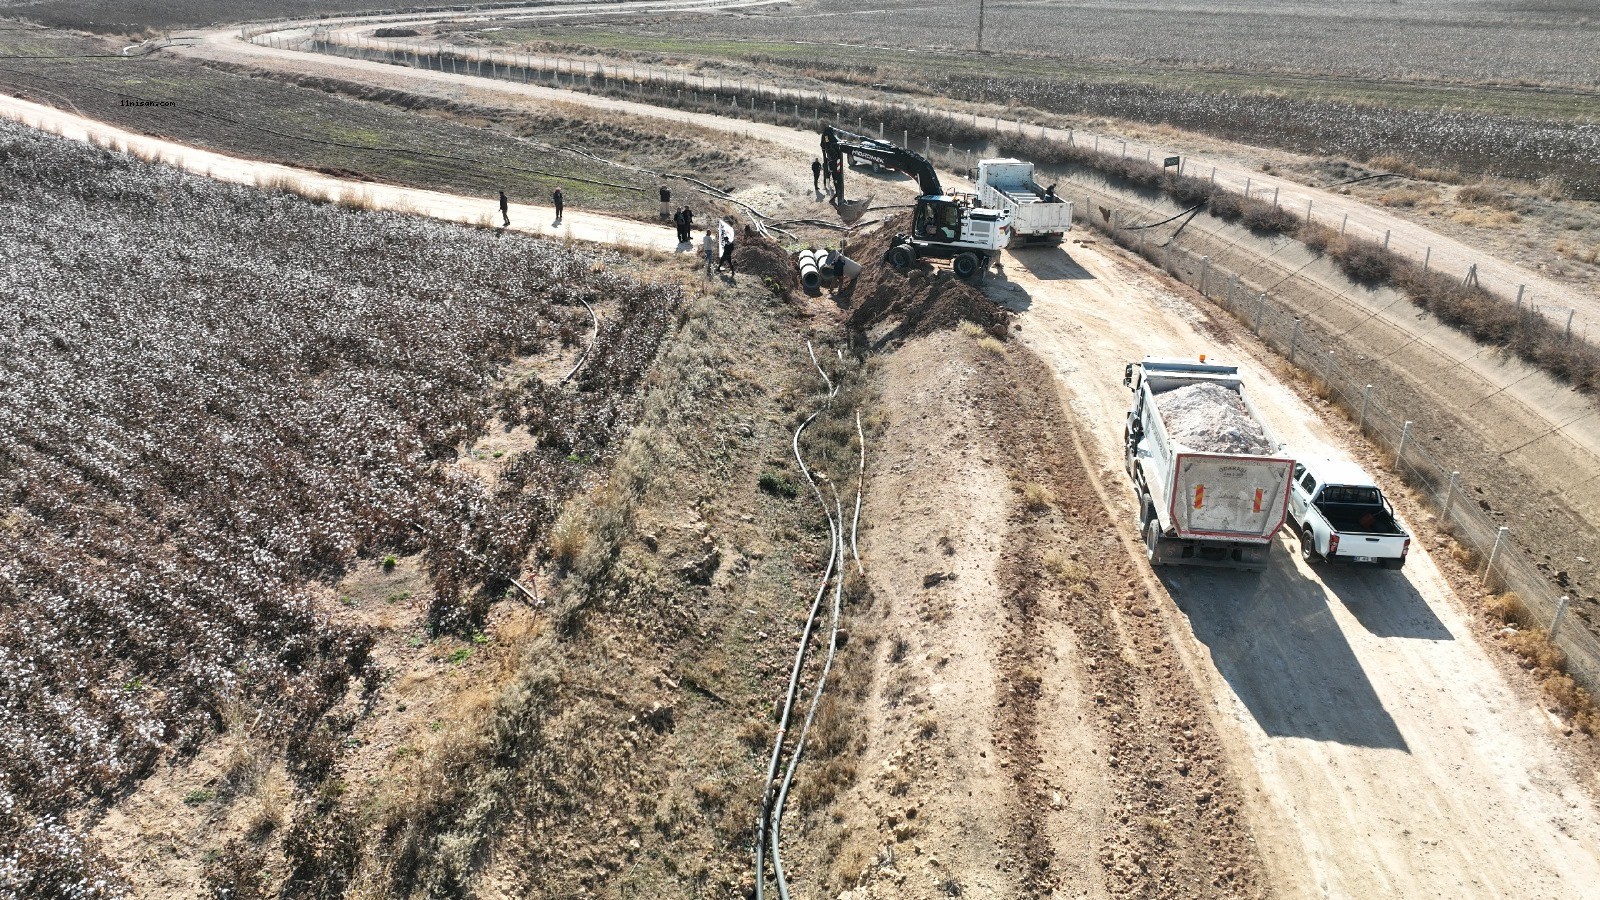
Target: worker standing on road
<point>816,176</point>
<point>560,203</point>
<point>838,181</point>
<point>504,207</point>
<point>688,225</point>
<point>709,245</point>
<point>666,200</point>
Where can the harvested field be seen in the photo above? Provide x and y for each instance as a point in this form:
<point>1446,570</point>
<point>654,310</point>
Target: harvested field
<point>366,132</point>
<point>218,397</point>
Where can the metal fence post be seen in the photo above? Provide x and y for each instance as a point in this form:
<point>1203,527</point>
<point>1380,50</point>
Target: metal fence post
<point>1499,541</point>
<point>1275,190</point>
<point>1261,307</point>
<point>1405,438</point>
<point>1294,340</point>
<point>1386,233</point>
<point>1561,612</point>
<point>1366,401</point>
<point>1344,224</point>
<point>1449,497</point>
<point>1427,258</point>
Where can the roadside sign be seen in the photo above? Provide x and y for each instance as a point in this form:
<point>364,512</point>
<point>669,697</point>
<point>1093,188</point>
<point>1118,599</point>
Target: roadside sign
<point>1171,161</point>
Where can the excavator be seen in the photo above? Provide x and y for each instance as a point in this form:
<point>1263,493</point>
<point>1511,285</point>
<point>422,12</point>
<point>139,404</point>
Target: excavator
<point>944,226</point>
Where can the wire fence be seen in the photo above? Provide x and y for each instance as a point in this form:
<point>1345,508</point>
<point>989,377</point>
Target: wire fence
<point>822,105</point>
<point>1503,565</point>
<point>1500,562</point>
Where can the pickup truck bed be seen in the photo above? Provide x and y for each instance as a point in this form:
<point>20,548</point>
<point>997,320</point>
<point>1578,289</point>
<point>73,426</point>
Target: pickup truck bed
<point>1351,519</point>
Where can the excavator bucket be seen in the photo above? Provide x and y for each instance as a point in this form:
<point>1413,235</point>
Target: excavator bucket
<point>851,211</point>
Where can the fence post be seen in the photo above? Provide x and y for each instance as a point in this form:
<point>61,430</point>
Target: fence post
<point>1294,340</point>
<point>1449,497</point>
<point>1247,186</point>
<point>1309,201</point>
<point>1386,233</point>
<point>1275,197</point>
<point>1521,289</point>
<point>1261,307</point>
<point>1499,541</point>
<point>1405,437</point>
<point>1427,258</point>
<point>1213,176</point>
<point>1366,401</point>
<point>1205,269</point>
<point>1561,612</point>
<point>1569,322</point>
<point>1345,224</point>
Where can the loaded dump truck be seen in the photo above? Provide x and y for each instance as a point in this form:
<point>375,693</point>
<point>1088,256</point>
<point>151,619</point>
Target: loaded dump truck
<point>1038,216</point>
<point>1212,480</point>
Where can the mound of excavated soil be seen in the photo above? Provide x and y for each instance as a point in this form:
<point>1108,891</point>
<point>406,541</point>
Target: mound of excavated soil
<point>919,302</point>
<point>1212,419</point>
<point>758,255</point>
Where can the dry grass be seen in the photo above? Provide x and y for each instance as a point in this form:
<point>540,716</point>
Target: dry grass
<point>1037,497</point>
<point>993,346</point>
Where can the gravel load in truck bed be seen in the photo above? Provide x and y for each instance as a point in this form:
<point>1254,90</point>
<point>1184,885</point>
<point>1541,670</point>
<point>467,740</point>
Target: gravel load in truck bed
<point>1212,419</point>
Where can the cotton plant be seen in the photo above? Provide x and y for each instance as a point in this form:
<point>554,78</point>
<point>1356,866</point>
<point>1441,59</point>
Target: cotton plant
<point>213,398</point>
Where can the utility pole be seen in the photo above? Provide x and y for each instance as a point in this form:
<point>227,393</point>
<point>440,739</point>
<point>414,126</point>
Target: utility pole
<point>980,26</point>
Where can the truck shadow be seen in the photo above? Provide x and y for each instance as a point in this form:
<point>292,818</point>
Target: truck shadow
<point>1274,639</point>
<point>1385,603</point>
<point>1050,264</point>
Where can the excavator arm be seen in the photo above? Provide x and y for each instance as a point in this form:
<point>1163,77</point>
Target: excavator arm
<point>835,141</point>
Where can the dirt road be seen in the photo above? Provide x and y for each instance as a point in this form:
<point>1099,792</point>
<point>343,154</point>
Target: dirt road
<point>1411,238</point>
<point>1390,756</point>
<point>530,218</point>
<point>1381,751</point>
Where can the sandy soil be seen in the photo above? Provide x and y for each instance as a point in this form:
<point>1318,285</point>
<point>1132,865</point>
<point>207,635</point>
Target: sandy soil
<point>1391,756</point>
<point>1030,733</point>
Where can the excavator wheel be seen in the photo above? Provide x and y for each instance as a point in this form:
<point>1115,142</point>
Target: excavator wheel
<point>901,256</point>
<point>966,265</point>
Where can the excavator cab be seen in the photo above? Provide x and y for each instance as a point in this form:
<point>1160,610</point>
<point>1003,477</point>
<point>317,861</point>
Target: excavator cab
<point>937,219</point>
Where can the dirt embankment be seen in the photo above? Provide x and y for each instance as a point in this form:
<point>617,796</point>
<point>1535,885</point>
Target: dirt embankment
<point>1030,729</point>
<point>921,301</point>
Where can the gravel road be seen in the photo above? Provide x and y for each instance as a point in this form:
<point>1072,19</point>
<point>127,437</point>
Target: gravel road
<point>1388,755</point>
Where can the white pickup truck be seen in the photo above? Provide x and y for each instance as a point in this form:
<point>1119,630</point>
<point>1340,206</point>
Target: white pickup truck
<point>1340,515</point>
<point>1037,214</point>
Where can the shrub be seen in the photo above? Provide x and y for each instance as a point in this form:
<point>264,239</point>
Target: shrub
<point>1364,261</point>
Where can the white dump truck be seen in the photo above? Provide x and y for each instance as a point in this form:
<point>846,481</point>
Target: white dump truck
<point>1341,515</point>
<point>1212,480</point>
<point>1037,215</point>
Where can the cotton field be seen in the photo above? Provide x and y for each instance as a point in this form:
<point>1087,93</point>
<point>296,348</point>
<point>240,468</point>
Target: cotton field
<point>212,397</point>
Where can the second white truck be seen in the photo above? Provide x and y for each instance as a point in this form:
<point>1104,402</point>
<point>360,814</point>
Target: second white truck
<point>1212,480</point>
<point>1340,515</point>
<point>1037,214</point>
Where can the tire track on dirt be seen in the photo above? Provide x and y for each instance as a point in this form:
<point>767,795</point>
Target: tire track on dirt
<point>1175,826</point>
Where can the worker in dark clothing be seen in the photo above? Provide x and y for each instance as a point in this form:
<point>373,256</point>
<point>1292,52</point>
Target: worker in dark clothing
<point>560,203</point>
<point>725,234</point>
<point>686,230</point>
<point>838,181</point>
<point>666,200</point>
<point>505,205</point>
<point>816,175</point>
<point>838,267</point>
<point>677,222</point>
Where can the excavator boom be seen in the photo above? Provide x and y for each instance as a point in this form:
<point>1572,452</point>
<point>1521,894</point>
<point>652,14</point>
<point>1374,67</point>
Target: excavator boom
<point>835,141</point>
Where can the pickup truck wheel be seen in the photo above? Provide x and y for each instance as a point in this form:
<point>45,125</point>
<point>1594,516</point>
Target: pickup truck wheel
<point>966,265</point>
<point>901,256</point>
<point>1308,546</point>
<point>1152,540</point>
